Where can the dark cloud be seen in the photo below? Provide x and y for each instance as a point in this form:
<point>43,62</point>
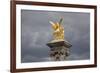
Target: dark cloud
<point>37,32</point>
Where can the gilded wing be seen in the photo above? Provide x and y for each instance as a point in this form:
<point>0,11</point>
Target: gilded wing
<point>54,26</point>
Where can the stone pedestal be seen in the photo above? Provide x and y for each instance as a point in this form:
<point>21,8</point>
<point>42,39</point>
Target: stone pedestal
<point>59,50</point>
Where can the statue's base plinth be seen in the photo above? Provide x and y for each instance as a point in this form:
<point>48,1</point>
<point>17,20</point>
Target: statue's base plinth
<point>59,49</point>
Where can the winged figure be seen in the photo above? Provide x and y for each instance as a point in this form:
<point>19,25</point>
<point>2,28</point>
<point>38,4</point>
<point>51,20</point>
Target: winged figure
<point>58,33</point>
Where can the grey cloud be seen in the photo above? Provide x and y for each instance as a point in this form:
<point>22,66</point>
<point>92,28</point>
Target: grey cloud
<point>30,58</point>
<point>83,56</point>
<point>36,32</point>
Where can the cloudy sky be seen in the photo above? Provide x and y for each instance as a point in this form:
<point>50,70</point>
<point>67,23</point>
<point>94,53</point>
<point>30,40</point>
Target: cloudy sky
<point>36,32</point>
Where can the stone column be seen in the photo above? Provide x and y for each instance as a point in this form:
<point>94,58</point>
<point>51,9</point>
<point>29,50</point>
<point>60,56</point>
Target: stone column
<point>59,50</point>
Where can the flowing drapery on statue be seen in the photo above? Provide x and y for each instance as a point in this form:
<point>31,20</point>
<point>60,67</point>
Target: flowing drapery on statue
<point>58,33</point>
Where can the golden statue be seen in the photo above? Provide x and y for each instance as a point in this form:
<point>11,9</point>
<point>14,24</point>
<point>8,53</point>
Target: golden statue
<point>58,33</point>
